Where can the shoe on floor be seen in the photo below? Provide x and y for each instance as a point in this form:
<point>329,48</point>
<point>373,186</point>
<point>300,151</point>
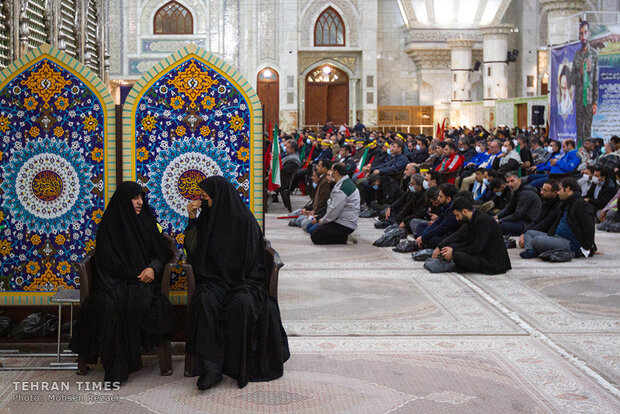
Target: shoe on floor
<point>528,254</point>
<point>381,224</point>
<point>351,239</point>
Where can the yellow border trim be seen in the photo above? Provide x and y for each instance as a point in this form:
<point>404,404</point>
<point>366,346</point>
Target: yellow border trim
<point>95,84</point>
<point>229,73</point>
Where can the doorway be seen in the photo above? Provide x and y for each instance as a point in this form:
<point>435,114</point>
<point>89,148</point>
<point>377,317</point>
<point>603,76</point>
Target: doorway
<point>268,83</point>
<point>327,96</point>
<point>522,115</point>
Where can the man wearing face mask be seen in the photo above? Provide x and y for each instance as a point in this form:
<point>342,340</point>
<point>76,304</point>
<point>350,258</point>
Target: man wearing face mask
<point>509,160</point>
<point>408,206</point>
<point>477,246</point>
<point>539,154</point>
<point>602,189</point>
<point>567,164</point>
<point>465,149</point>
<point>541,170</point>
<point>467,176</point>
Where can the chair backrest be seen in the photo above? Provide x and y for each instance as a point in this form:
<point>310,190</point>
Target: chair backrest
<point>274,264</point>
<point>85,270</point>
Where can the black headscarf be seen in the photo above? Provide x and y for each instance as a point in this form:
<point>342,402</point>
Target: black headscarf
<point>230,242</point>
<point>126,241</point>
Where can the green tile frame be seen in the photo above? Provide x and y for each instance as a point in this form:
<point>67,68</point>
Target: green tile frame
<point>236,79</point>
<point>99,88</point>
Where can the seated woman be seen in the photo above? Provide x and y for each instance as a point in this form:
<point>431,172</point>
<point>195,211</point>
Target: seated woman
<point>125,309</point>
<point>234,326</point>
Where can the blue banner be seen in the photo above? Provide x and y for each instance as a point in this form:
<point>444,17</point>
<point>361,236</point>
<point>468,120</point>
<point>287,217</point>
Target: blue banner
<point>562,114</point>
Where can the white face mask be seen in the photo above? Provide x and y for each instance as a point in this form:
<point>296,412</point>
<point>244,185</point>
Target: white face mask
<point>550,149</point>
<point>418,147</point>
<point>596,180</point>
<point>505,150</point>
<point>412,188</point>
<point>514,141</point>
<point>389,151</point>
<point>479,150</point>
<point>425,185</point>
<point>461,149</point>
<point>618,182</point>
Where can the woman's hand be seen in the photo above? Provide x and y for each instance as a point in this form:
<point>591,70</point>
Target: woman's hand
<point>147,275</point>
<point>192,208</point>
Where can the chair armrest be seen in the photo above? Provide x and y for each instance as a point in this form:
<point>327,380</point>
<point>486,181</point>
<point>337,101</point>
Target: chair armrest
<point>190,280</point>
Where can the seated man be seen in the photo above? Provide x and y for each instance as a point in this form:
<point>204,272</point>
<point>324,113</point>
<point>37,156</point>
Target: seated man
<point>567,164</point>
<point>602,189</point>
<point>539,154</point>
<point>396,162</point>
<point>541,170</point>
<point>496,198</point>
<point>480,160</point>
<point>444,225</point>
<point>451,161</point>
<point>609,214</point>
<point>343,209</point>
<point>509,160</point>
<point>320,195</point>
<point>378,191</point>
<point>550,204</point>
<point>465,149</point>
<point>345,157</point>
<point>572,228</point>
<point>290,165</point>
<point>523,208</point>
<point>420,153</point>
<point>410,205</point>
<point>477,246</point>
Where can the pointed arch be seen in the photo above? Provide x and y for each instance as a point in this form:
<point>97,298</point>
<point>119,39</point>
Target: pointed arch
<point>329,29</point>
<point>173,18</point>
<point>217,115</point>
<point>58,164</point>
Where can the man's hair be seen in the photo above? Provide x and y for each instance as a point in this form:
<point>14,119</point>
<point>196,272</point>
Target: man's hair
<point>481,170</point>
<point>556,142</point>
<point>509,142</point>
<point>449,190</point>
<point>492,173</point>
<point>399,143</point>
<point>417,179</point>
<point>434,175</point>
<point>465,194</point>
<point>423,141</point>
<point>570,142</point>
<point>464,140</point>
<point>602,171</point>
<point>584,23</point>
<point>346,147</point>
<point>340,168</point>
<point>451,145</point>
<point>432,193</point>
<point>535,141</point>
<point>372,178</point>
<point>554,185</point>
<point>496,183</point>
<point>442,144</point>
<point>462,203</point>
<point>327,164</point>
<point>293,144</point>
<point>572,184</point>
<point>512,174</point>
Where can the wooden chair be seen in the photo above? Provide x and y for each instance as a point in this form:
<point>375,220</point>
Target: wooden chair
<point>274,264</point>
<point>446,177</point>
<point>85,270</point>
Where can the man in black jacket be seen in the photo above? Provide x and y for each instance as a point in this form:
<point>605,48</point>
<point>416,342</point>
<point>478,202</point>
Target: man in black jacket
<point>602,189</point>
<point>478,245</point>
<point>523,208</point>
<point>408,206</point>
<point>572,228</point>
<point>550,204</point>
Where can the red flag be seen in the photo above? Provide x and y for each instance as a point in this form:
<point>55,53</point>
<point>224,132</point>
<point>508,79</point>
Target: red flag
<point>347,134</point>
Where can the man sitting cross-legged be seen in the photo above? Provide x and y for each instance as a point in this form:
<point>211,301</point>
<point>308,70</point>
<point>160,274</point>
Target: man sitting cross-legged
<point>478,245</point>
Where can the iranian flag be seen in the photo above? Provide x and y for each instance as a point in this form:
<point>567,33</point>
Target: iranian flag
<point>275,163</point>
<point>362,160</point>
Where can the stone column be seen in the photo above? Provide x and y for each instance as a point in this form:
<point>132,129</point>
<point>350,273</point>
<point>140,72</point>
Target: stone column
<point>567,29</point>
<point>495,65</point>
<point>433,72</point>
<point>461,65</point>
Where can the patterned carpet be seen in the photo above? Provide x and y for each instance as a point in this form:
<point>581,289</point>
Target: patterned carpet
<point>372,332</point>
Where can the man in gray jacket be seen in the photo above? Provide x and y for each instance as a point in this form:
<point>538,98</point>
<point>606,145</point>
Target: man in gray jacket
<point>343,209</point>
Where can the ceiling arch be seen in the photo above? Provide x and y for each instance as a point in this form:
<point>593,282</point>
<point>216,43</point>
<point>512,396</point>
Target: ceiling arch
<point>452,13</point>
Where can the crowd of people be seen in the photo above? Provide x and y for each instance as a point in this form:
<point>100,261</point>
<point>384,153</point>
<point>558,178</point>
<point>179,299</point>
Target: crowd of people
<point>458,200</point>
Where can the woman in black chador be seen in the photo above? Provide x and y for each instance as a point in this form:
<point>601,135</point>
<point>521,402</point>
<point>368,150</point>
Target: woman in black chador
<point>125,310</point>
<point>234,326</point>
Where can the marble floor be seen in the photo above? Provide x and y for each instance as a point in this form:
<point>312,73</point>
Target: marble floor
<point>371,331</point>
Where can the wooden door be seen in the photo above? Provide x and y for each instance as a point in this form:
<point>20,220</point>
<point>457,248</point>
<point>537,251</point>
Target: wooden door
<point>327,96</point>
<point>269,95</point>
<point>316,104</point>
<point>522,115</point>
<point>338,104</point>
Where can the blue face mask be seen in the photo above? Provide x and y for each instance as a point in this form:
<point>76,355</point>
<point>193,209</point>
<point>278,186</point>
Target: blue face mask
<point>498,193</point>
<point>425,185</point>
<point>412,188</point>
<point>376,187</point>
<point>315,184</point>
<point>308,141</point>
<point>603,150</point>
<point>389,151</point>
<point>485,181</point>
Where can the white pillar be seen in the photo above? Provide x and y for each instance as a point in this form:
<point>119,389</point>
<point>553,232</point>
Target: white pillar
<point>495,67</point>
<point>461,66</point>
<point>563,30</point>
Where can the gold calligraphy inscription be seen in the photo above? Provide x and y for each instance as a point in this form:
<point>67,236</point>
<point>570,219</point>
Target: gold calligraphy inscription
<point>188,184</point>
<point>47,185</point>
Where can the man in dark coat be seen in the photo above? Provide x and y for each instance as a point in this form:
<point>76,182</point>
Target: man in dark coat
<point>572,228</point>
<point>523,208</point>
<point>478,245</point>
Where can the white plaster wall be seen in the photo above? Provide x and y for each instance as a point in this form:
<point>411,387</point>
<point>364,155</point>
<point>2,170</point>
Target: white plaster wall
<point>396,73</point>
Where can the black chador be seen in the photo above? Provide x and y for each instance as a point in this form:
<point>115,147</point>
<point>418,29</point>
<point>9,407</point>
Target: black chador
<point>122,312</point>
<point>234,326</point>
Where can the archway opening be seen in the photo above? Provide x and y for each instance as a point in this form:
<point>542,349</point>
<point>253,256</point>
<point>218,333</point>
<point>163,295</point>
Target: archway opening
<point>327,96</point>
